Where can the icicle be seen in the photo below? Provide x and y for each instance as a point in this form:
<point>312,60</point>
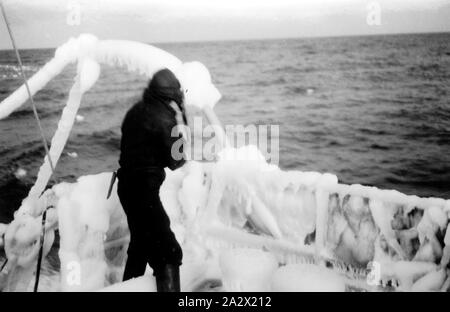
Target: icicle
<point>84,220</point>
<point>248,206</point>
<point>445,260</point>
<point>383,216</point>
<point>262,216</point>
<point>136,56</point>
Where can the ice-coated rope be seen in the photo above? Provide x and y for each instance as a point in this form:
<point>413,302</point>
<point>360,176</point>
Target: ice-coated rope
<point>4,265</point>
<point>22,72</point>
<point>41,250</point>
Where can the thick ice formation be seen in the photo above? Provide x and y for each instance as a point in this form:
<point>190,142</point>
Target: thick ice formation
<point>88,73</point>
<point>93,233</point>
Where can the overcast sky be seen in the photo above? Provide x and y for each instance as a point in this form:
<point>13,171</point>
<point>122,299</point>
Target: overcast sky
<point>44,23</point>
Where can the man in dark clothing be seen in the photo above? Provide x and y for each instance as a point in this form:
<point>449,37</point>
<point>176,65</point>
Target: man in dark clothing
<point>145,151</point>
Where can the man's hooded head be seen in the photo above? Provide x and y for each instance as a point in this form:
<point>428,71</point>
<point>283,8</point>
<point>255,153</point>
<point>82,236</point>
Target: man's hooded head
<point>164,86</point>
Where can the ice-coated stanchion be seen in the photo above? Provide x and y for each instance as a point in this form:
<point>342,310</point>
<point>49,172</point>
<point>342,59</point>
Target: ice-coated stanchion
<point>445,260</point>
<point>383,216</point>
<point>87,220</point>
<point>88,72</point>
<point>322,201</point>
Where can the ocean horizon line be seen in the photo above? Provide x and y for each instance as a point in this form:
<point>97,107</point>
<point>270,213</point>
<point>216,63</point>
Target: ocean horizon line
<point>257,39</point>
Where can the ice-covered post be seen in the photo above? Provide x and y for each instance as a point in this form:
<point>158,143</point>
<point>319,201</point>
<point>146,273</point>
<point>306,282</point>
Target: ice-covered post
<point>88,71</point>
<point>325,183</point>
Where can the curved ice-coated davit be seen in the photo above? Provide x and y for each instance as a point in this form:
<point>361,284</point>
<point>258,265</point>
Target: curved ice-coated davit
<point>243,224</point>
<point>89,52</point>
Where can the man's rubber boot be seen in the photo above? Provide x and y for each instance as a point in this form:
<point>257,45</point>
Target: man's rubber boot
<point>168,279</point>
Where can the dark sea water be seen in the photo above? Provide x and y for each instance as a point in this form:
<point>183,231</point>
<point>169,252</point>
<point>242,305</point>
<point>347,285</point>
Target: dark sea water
<point>373,110</point>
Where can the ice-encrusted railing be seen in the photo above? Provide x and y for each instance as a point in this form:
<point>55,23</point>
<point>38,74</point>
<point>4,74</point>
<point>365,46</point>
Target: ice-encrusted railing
<point>396,239</point>
<point>231,208</point>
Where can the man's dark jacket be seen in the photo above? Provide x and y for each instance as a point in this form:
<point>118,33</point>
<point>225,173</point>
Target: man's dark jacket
<point>145,152</point>
<point>146,130</point>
